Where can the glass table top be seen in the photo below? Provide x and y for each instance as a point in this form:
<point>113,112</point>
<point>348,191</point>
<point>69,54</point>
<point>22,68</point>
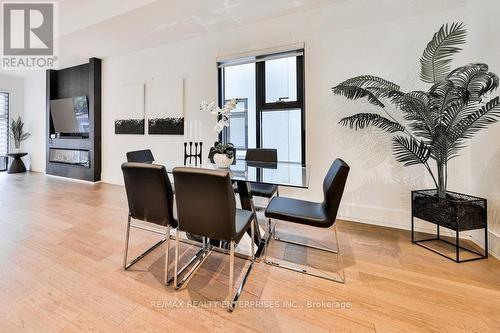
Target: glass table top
<point>281,173</point>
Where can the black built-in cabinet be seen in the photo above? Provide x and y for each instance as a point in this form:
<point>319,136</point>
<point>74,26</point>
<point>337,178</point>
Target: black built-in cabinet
<point>81,80</point>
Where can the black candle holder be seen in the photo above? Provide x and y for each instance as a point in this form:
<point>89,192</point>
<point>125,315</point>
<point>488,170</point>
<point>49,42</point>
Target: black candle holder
<point>188,152</point>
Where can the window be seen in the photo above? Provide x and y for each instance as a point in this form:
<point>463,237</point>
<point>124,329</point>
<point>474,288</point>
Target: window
<point>4,129</point>
<point>270,113</point>
<point>238,125</point>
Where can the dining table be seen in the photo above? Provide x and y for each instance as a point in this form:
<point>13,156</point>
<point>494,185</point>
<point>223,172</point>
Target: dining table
<point>243,173</point>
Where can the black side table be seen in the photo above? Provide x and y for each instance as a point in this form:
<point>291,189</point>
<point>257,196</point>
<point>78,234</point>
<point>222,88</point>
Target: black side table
<point>17,165</point>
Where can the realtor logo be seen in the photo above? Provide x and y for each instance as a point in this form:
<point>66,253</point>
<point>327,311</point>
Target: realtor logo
<point>28,35</point>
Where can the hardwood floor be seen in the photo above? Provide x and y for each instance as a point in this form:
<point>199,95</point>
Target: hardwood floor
<point>61,245</point>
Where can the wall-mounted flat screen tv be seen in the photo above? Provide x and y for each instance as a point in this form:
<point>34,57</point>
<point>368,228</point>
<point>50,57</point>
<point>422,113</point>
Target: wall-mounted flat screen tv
<point>70,116</point>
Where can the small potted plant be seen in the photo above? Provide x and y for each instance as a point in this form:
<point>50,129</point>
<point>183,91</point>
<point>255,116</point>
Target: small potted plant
<point>17,133</point>
<point>222,153</point>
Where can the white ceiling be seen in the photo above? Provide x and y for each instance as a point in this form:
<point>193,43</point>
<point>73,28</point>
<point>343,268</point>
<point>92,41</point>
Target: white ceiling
<point>102,28</point>
<point>162,21</point>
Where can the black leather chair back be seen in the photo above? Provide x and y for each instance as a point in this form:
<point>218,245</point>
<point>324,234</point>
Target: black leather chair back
<point>262,155</point>
<point>205,203</point>
<point>333,187</point>
<point>140,156</point>
<point>149,193</point>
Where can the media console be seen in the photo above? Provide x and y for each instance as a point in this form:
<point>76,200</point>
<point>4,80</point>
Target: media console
<point>75,157</point>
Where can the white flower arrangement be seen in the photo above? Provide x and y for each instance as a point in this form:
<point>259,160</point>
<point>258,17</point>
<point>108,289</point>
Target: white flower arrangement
<point>221,113</point>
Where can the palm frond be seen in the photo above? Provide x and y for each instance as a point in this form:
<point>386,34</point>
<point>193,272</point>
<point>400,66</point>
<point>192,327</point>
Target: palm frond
<point>453,112</point>
<point>370,81</point>
<point>363,120</point>
<point>475,79</point>
<point>379,87</point>
<point>475,121</point>
<point>353,93</point>
<point>416,110</point>
<point>409,151</point>
<point>445,92</point>
<point>381,92</point>
<point>435,61</point>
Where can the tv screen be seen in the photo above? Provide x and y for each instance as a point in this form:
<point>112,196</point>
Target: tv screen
<point>70,115</point>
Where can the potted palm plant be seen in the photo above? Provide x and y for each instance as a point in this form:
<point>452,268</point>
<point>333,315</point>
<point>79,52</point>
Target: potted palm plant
<point>17,133</point>
<point>436,124</point>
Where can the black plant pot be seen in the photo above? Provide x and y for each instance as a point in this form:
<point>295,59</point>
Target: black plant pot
<point>458,212</point>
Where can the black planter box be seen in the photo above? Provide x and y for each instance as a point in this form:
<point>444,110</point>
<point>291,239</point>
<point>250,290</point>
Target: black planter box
<point>458,212</point>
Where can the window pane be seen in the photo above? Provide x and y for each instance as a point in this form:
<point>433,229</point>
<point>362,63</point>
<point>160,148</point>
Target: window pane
<point>3,163</point>
<point>281,130</point>
<point>239,82</point>
<point>238,130</point>
<point>281,80</point>
<point>4,128</point>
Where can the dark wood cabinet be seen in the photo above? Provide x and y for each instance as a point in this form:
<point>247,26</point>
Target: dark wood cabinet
<point>81,80</point>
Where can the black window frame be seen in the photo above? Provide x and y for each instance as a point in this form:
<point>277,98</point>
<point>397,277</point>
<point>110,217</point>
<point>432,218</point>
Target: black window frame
<point>4,157</point>
<point>260,95</point>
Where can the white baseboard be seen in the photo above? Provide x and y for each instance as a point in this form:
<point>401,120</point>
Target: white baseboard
<point>493,243</point>
<point>401,219</point>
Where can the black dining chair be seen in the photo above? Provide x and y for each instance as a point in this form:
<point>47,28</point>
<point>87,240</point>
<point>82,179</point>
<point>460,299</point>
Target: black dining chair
<point>140,156</point>
<point>263,157</point>
<point>143,156</point>
<point>319,215</point>
<point>150,199</point>
<point>206,207</point>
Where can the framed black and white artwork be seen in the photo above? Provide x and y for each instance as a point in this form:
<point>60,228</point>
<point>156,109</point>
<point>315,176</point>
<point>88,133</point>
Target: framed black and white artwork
<point>165,106</point>
<point>130,108</point>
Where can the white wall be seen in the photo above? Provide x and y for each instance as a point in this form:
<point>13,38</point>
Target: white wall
<point>34,115</point>
<point>485,148</point>
<point>383,38</point>
<point>15,87</point>
<point>388,42</point>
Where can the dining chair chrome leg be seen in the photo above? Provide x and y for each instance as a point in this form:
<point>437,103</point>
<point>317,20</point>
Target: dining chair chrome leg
<point>142,255</point>
<point>252,231</point>
<point>176,259</point>
<point>268,240</point>
<point>127,237</point>
<point>190,261</point>
<point>310,270</point>
<point>167,250</point>
<point>322,248</point>
<point>338,252</point>
<point>232,304</point>
<point>231,272</point>
<point>198,260</point>
<point>274,229</point>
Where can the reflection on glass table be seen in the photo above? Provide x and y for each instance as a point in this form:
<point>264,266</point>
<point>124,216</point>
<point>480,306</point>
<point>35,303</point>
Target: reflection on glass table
<point>242,172</point>
<point>281,173</point>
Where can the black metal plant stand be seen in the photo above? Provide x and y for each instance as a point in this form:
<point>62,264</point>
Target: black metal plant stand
<point>458,212</point>
<point>188,153</point>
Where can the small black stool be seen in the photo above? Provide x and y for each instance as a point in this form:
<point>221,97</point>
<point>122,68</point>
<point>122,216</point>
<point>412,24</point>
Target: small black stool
<point>17,165</point>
